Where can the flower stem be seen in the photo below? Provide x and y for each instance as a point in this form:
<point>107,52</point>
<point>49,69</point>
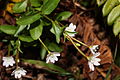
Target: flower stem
<point>70,39</point>
<point>17,58</point>
<point>44,45</point>
<point>80,42</point>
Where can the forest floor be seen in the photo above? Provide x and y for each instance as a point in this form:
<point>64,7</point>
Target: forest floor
<point>91,30</point>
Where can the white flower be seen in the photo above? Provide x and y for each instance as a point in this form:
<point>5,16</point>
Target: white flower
<point>8,61</point>
<point>94,61</point>
<point>52,57</point>
<point>71,29</point>
<point>19,72</point>
<point>94,49</point>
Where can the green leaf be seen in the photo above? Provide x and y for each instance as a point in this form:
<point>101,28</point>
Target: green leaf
<point>54,47</point>
<point>8,29</point>
<point>100,2</point>
<point>21,28</point>
<point>25,20</point>
<point>12,42</point>
<point>116,27</point>
<point>114,14</point>
<point>49,6</point>
<point>109,5</point>
<point>48,66</point>
<point>35,3</point>
<point>57,30</point>
<point>25,38</point>
<point>36,32</point>
<point>20,7</point>
<point>68,32</point>
<point>45,1</point>
<point>18,44</point>
<point>108,73</point>
<point>42,52</point>
<point>14,52</point>
<point>63,15</point>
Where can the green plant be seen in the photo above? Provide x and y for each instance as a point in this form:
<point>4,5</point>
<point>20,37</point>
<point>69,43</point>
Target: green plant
<point>34,23</point>
<point>111,9</point>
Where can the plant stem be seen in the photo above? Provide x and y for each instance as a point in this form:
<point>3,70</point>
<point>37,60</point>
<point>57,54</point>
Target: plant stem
<point>80,42</point>
<point>44,45</point>
<point>70,39</point>
<point>48,18</point>
<point>17,58</point>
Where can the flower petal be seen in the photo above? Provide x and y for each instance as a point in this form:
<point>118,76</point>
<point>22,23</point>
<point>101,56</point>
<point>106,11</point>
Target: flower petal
<point>55,58</point>
<point>71,34</point>
<point>19,72</point>
<point>4,58</point>
<point>6,65</point>
<point>94,48</point>
<point>97,59</point>
<point>56,54</point>
<point>52,57</point>
<point>11,64</point>
<point>71,25</point>
<point>8,61</point>
<point>47,59</point>
<point>18,75</point>
<point>52,60</point>
<point>91,66</point>
<point>71,28</point>
<point>96,54</point>
<point>96,63</point>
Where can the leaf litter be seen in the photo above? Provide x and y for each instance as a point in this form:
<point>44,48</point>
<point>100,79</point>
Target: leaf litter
<point>89,32</point>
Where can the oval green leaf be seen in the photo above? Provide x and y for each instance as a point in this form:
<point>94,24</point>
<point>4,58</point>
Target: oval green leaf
<point>116,27</point>
<point>42,52</point>
<point>25,38</point>
<point>57,30</point>
<point>63,15</point>
<point>48,66</point>
<point>109,5</point>
<point>49,6</point>
<point>21,28</point>
<point>114,14</point>
<point>54,47</point>
<point>36,32</point>
<point>35,3</point>
<point>8,29</point>
<point>20,7</point>
<point>25,20</point>
<point>100,2</point>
